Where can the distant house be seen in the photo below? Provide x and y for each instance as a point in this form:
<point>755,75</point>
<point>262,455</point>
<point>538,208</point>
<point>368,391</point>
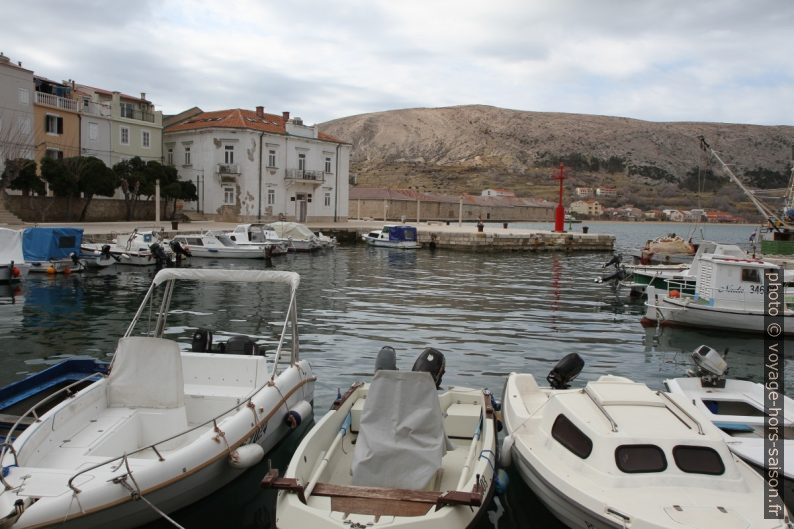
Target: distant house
<point>606,192</point>
<point>497,193</point>
<point>673,215</point>
<point>654,214</point>
<point>586,207</point>
<point>584,191</point>
<point>695,215</point>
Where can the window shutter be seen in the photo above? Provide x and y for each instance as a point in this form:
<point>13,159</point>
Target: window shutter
<point>60,125</point>
<point>46,123</point>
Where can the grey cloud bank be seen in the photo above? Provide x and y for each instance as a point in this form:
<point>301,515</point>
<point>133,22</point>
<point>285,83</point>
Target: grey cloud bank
<point>714,60</point>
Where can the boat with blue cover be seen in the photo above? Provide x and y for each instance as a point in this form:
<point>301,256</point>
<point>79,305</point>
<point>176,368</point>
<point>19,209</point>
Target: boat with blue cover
<point>394,236</point>
<point>52,250</point>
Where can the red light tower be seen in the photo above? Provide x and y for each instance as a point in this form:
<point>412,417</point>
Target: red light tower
<point>559,213</point>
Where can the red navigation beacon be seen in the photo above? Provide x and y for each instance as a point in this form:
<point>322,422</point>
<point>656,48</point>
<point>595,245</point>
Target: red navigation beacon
<point>559,214</point>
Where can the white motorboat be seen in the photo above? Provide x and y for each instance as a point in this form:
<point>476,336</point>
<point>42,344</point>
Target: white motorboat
<point>300,237</point>
<point>736,407</point>
<point>165,426</point>
<point>140,248</point>
<point>394,236</point>
<point>616,454</point>
<point>218,245</point>
<point>393,453</point>
<point>259,235</point>
<point>12,260</point>
<point>728,294</point>
<point>97,259</point>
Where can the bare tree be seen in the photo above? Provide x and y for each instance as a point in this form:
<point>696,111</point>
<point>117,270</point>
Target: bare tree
<point>15,144</point>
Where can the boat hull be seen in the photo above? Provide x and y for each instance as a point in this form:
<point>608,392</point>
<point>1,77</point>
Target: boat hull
<point>7,277</point>
<point>228,253</point>
<point>687,313</point>
<point>400,245</point>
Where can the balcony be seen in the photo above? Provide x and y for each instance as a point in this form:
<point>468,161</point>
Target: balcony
<point>227,172</point>
<point>303,175</point>
<point>92,108</point>
<point>134,113</point>
<point>61,103</point>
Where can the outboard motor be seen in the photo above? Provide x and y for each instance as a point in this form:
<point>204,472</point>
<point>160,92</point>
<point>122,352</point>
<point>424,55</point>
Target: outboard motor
<point>239,345</point>
<point>616,260</point>
<point>619,275</point>
<point>710,366</point>
<point>160,257</point>
<point>104,253</point>
<point>178,249</point>
<point>567,369</point>
<point>202,341</point>
<point>431,360</point>
<point>386,359</point>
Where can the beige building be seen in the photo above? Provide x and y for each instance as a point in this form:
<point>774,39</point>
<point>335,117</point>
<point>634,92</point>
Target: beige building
<point>56,120</point>
<point>586,207</point>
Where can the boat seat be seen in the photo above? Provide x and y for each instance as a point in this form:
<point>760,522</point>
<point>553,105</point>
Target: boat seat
<point>146,373</point>
<point>401,439</point>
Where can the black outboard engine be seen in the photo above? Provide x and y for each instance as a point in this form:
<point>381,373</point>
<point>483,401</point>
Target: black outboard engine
<point>178,249</point>
<point>239,345</point>
<point>431,360</point>
<point>386,359</point>
<point>105,251</point>
<point>619,275</point>
<point>616,260</point>
<point>565,371</point>
<point>160,257</point>
<point>75,259</point>
<point>202,341</point>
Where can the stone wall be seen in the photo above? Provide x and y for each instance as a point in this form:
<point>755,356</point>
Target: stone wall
<point>54,209</point>
<point>396,209</point>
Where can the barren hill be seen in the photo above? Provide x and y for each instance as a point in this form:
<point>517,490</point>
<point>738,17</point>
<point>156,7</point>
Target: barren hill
<point>469,148</point>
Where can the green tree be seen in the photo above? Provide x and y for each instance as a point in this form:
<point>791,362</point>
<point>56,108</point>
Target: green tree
<point>63,183</point>
<point>20,174</point>
<point>95,178</point>
<point>131,176</point>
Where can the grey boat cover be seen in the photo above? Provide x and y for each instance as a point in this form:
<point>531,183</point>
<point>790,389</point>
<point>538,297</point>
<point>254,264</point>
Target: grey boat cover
<point>11,246</point>
<point>294,230</point>
<point>401,437</point>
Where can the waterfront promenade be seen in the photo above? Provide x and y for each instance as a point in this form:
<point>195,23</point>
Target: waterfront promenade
<point>494,237</point>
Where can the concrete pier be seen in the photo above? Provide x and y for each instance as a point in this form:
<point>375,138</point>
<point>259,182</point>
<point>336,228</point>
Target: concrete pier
<point>438,235</point>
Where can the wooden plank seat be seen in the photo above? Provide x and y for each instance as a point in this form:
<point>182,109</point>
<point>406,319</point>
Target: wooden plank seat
<point>376,500</point>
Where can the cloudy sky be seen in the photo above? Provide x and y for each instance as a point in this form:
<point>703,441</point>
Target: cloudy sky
<point>660,60</point>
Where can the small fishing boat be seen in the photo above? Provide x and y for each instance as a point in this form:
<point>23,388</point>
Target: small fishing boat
<point>165,426</point>
<point>52,250</point>
<point>12,259</point>
<point>16,398</point>
<point>616,454</point>
<point>219,245</point>
<point>300,237</point>
<point>259,235</point>
<point>142,247</point>
<point>394,236</point>
<point>729,294</point>
<point>393,453</point>
<point>97,259</point>
<point>736,407</point>
<point>665,249</point>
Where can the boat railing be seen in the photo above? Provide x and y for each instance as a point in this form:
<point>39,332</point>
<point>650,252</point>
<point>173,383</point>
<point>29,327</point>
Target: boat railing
<point>601,407</point>
<point>8,446</point>
<point>682,410</point>
<point>738,294</point>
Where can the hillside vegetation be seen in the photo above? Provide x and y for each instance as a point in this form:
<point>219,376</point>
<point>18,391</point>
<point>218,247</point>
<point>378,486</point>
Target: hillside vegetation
<point>470,148</point>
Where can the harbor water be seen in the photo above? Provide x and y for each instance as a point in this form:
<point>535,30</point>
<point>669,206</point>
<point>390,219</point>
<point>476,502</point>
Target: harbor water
<point>490,314</point>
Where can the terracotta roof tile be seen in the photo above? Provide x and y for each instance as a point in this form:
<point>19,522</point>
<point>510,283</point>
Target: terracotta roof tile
<point>239,118</point>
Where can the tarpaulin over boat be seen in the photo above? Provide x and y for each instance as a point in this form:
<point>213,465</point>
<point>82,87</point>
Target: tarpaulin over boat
<point>402,233</point>
<point>45,244</point>
<point>401,436</point>
<point>11,246</point>
<point>294,230</point>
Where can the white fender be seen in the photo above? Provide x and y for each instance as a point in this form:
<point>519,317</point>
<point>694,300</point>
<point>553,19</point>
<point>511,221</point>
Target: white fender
<point>246,456</point>
<point>506,454</point>
<point>297,414</point>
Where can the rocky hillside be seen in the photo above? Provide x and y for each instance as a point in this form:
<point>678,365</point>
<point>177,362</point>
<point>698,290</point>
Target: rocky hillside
<point>469,148</point>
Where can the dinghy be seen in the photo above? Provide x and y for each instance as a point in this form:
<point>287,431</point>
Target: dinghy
<point>616,454</point>
<point>165,428</point>
<point>393,453</point>
<point>736,407</point>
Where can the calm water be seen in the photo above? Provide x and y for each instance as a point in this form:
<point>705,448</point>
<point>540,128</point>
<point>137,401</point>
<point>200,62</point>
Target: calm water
<point>489,314</point>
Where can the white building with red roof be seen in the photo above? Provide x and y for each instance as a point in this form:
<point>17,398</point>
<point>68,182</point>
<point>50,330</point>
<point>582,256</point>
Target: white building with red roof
<point>252,165</point>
